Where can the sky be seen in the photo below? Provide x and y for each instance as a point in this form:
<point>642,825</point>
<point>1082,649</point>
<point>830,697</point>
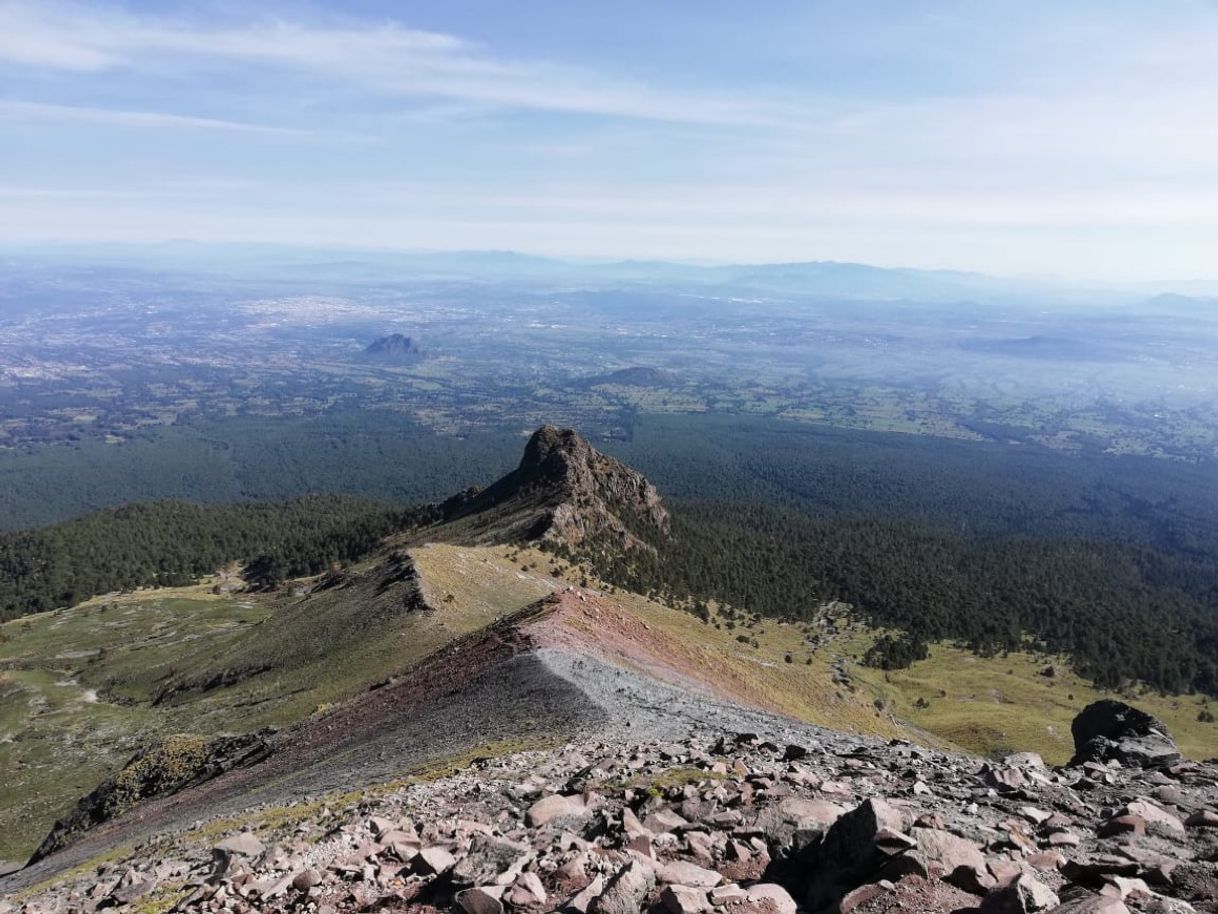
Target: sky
<point>1073,139</point>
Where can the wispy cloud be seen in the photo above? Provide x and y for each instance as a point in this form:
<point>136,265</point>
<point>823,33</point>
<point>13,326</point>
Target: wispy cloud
<point>39,111</point>
<point>1021,134</point>
<point>389,58</point>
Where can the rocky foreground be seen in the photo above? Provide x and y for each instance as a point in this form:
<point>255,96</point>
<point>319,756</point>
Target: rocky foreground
<point>727,824</point>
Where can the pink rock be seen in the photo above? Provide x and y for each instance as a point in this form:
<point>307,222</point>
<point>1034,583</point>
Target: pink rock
<point>681,899</point>
<point>680,872</point>
<point>434,860</point>
<point>772,895</point>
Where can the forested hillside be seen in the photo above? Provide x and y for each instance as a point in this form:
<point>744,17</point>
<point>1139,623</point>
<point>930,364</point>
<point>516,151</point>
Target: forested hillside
<point>1122,612</point>
<point>172,543</point>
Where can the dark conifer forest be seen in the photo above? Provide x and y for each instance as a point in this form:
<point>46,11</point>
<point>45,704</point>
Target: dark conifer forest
<point>1121,612</point>
<point>170,543</point>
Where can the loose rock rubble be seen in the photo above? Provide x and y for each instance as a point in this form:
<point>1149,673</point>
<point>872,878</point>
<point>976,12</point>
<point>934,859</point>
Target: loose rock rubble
<point>736,825</point>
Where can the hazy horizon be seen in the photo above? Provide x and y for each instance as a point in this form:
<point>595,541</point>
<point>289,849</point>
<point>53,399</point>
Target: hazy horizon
<point>1014,139</point>
<point>1199,284</point>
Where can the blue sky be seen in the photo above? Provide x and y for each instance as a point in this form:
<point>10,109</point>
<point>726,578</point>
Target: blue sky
<point>1077,139</point>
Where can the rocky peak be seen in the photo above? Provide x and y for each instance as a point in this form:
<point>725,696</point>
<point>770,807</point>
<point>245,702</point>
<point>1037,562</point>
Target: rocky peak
<point>552,449</point>
<point>564,491</point>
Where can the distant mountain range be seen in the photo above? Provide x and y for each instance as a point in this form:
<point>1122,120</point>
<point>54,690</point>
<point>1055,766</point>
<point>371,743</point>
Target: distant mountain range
<point>823,278</point>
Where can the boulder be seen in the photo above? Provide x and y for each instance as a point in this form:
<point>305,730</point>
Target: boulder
<point>681,872</point>
<point>304,881</point>
<point>244,844</point>
<point>1080,902</point>
<point>1023,895</point>
<point>959,861</point>
<point>632,826</point>
<point>858,897</point>
<point>1125,824</point>
<point>855,848</point>
<point>128,891</point>
<point>681,899</point>
<point>1204,818</point>
<point>1026,761</point>
<point>479,901</point>
<point>727,894</point>
<point>1154,817</point>
<point>549,809</point>
<point>771,896</point>
<point>794,823</point>
<point>1109,730</point>
<point>527,891</point>
<point>664,820</point>
<point>865,835</point>
<point>432,860</point>
<point>489,861</point>
<point>1005,778</point>
<point>582,900</point>
<point>626,891</point>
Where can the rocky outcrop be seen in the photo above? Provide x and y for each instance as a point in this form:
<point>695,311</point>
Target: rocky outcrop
<point>1109,730</point>
<point>172,765</point>
<point>564,492</point>
<point>397,574</point>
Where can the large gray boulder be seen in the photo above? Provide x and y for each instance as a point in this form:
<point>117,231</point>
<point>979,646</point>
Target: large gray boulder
<point>1110,730</point>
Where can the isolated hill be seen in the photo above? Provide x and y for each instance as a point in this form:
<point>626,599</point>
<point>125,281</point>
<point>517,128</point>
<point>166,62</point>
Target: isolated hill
<point>393,348</point>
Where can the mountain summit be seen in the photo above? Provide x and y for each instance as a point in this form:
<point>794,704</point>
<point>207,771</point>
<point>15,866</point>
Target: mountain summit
<point>564,492</point>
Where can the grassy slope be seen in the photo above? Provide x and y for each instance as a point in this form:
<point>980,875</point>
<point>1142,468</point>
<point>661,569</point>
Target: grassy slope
<point>494,578</point>
<point>992,706</point>
<point>58,742</point>
<point>69,683</point>
<point>1003,704</point>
